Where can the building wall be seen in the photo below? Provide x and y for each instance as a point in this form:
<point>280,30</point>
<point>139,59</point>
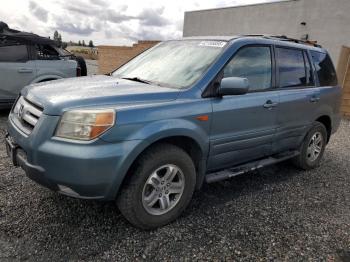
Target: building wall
<point>344,79</point>
<point>111,57</point>
<point>327,21</point>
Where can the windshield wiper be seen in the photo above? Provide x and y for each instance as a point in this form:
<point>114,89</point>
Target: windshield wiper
<point>137,79</point>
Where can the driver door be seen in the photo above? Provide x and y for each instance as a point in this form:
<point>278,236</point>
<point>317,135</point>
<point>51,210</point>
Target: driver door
<point>244,126</point>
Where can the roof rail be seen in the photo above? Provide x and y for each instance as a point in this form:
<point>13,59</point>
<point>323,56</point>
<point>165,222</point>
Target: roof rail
<point>285,38</point>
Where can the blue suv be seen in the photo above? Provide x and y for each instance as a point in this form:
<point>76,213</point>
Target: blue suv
<point>180,114</point>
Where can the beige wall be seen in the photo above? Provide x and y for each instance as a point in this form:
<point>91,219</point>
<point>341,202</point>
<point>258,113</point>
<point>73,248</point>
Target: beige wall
<point>344,79</point>
<point>111,57</point>
<point>327,21</point>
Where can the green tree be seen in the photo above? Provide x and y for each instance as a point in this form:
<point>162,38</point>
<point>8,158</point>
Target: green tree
<point>58,38</point>
<point>83,43</point>
<point>55,36</point>
<point>91,44</point>
<point>79,43</point>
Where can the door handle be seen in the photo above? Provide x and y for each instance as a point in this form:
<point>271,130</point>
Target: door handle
<point>25,70</point>
<point>269,104</point>
<point>314,99</point>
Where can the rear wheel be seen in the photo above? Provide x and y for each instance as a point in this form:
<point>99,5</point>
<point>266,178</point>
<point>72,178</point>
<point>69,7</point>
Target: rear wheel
<point>313,147</point>
<point>159,188</point>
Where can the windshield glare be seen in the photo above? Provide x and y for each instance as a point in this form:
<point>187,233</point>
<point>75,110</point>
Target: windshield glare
<point>176,64</point>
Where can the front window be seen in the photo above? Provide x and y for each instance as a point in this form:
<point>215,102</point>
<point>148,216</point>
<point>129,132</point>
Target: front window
<point>253,63</point>
<point>178,64</point>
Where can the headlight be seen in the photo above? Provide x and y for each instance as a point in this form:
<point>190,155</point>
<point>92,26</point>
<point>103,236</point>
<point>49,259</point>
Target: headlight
<point>85,124</point>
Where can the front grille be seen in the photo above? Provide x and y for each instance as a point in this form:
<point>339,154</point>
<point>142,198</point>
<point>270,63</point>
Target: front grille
<point>25,115</point>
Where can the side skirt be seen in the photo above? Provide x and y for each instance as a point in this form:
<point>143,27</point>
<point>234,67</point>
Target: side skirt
<point>248,167</point>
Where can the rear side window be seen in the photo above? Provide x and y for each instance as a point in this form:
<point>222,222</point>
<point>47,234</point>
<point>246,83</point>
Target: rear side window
<point>46,52</point>
<point>292,71</point>
<point>253,63</point>
<point>324,68</point>
<point>14,53</point>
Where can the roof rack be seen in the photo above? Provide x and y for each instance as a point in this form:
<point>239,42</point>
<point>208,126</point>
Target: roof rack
<point>288,39</point>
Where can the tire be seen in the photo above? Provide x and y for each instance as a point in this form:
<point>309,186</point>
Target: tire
<point>306,160</point>
<point>139,187</point>
<point>82,65</point>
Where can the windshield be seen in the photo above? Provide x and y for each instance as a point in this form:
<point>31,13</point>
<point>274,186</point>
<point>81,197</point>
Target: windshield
<point>174,63</point>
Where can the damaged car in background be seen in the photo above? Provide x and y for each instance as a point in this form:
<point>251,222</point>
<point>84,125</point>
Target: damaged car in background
<point>27,58</point>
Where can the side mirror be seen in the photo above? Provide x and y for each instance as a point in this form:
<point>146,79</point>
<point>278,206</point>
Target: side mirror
<point>233,86</point>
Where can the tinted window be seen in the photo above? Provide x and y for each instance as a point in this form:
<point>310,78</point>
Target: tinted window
<point>324,68</point>
<point>253,63</point>
<point>292,72</point>
<point>14,53</point>
<point>46,52</point>
<point>309,71</point>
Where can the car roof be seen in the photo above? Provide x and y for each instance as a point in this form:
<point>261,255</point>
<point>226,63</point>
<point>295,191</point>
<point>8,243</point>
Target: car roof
<point>267,39</point>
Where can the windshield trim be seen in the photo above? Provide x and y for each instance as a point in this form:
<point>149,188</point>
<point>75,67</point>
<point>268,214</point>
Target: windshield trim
<point>223,49</point>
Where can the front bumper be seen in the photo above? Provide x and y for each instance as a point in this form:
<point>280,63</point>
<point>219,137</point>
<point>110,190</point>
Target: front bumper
<point>36,173</point>
<point>92,170</point>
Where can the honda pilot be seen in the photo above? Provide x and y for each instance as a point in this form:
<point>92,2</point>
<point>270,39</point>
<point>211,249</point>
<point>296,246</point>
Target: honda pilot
<point>183,113</point>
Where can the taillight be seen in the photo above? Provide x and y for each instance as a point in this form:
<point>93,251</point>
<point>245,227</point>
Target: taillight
<point>78,71</point>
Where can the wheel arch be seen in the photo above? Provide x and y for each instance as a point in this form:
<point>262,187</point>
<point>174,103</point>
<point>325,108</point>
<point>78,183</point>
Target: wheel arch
<point>186,142</point>
<point>45,78</point>
<point>327,122</point>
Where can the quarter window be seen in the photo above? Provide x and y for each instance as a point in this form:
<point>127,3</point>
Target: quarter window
<point>13,53</point>
<point>46,52</point>
<point>324,68</point>
<point>253,63</point>
<point>291,67</point>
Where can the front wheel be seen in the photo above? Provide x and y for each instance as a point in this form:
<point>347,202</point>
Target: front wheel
<point>159,188</point>
<point>313,147</point>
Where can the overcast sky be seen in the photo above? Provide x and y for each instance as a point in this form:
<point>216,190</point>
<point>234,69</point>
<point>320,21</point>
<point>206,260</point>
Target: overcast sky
<point>109,22</point>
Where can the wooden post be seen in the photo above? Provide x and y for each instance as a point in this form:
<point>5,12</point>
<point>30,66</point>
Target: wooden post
<point>343,71</point>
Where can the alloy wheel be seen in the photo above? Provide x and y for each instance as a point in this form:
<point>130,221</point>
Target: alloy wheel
<point>163,189</point>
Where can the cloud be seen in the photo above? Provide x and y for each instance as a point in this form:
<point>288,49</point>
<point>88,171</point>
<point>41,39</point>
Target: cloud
<point>99,3</point>
<point>38,11</point>
<point>98,12</point>
<point>80,9</point>
<point>107,21</point>
<point>78,29</point>
<point>114,17</point>
<point>153,17</point>
<point>143,33</point>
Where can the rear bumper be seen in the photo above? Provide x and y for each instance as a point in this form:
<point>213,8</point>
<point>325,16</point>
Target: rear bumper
<point>83,170</point>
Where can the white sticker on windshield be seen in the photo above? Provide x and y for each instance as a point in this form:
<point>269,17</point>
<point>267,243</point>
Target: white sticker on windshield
<point>218,44</point>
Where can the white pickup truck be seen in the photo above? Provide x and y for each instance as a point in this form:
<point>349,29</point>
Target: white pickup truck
<point>26,58</point>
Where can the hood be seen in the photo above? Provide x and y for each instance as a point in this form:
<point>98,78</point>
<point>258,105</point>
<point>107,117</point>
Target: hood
<point>94,91</point>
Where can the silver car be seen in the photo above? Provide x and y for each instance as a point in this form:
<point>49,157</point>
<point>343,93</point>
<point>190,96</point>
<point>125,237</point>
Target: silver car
<point>26,58</point>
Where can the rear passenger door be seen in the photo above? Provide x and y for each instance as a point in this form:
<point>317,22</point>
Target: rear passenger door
<point>298,97</point>
<point>16,71</point>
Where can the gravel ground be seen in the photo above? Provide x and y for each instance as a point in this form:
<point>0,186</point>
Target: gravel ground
<point>279,213</point>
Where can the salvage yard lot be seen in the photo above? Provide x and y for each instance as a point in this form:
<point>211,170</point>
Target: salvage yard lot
<point>278,213</point>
